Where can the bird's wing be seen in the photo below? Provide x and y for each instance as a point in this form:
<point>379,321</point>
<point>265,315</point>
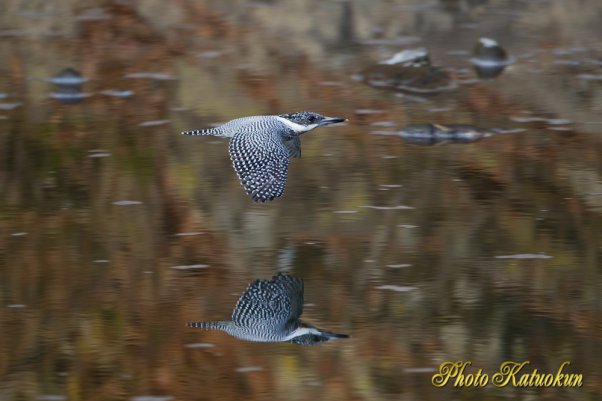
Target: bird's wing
<point>294,288</point>
<point>270,304</point>
<point>261,162</point>
<point>294,146</point>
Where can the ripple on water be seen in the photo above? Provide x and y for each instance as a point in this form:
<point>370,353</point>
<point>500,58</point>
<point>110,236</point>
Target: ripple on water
<point>399,266</point>
<point>117,93</point>
<point>153,123</point>
<point>384,124</point>
<point>189,234</point>
<point>520,119</point>
<point>566,51</point>
<point>152,398</point>
<point>51,397</point>
<point>158,76</point>
<point>199,345</point>
<point>398,207</point>
<point>525,256</point>
<point>396,288</point>
<point>9,106</point>
<point>209,54</point>
<point>412,98</point>
<point>549,121</point>
<point>99,154</point>
<point>420,370</point>
<point>127,203</point>
<point>189,267</point>
<point>246,369</point>
<point>331,83</point>
<point>508,131</point>
<point>590,77</point>
<point>369,111</point>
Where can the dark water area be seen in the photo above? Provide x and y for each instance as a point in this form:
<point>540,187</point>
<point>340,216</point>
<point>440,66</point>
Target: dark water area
<point>115,230</point>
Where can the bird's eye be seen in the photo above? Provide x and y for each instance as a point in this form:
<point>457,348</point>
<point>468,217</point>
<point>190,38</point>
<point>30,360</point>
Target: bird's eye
<point>311,119</point>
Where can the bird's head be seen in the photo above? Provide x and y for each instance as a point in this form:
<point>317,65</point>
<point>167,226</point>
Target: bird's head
<point>304,121</point>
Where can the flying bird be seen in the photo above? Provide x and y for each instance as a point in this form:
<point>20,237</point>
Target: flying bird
<point>261,146</point>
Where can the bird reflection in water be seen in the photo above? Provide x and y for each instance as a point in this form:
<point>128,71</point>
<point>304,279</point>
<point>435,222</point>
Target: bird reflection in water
<point>269,311</point>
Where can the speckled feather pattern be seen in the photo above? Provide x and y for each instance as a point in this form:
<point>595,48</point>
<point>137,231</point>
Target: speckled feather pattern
<point>229,129</point>
<point>260,159</point>
<point>261,146</point>
<point>274,304</point>
<point>270,311</point>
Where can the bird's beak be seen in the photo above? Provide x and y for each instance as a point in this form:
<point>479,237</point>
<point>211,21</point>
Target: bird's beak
<point>332,120</point>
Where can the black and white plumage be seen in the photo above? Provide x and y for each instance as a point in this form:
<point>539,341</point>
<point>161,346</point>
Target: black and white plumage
<point>261,146</point>
<point>270,311</point>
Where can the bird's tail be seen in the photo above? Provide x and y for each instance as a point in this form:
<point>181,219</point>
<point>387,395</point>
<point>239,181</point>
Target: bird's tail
<point>218,325</point>
<point>208,131</point>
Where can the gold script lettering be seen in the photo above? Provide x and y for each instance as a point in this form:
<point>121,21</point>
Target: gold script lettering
<point>448,370</point>
<point>508,371</point>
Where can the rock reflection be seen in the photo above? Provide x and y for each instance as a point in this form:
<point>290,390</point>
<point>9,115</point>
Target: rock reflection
<point>68,86</point>
<point>269,311</point>
<point>490,59</point>
<point>69,94</point>
<point>485,71</point>
<point>68,77</point>
<point>432,134</point>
